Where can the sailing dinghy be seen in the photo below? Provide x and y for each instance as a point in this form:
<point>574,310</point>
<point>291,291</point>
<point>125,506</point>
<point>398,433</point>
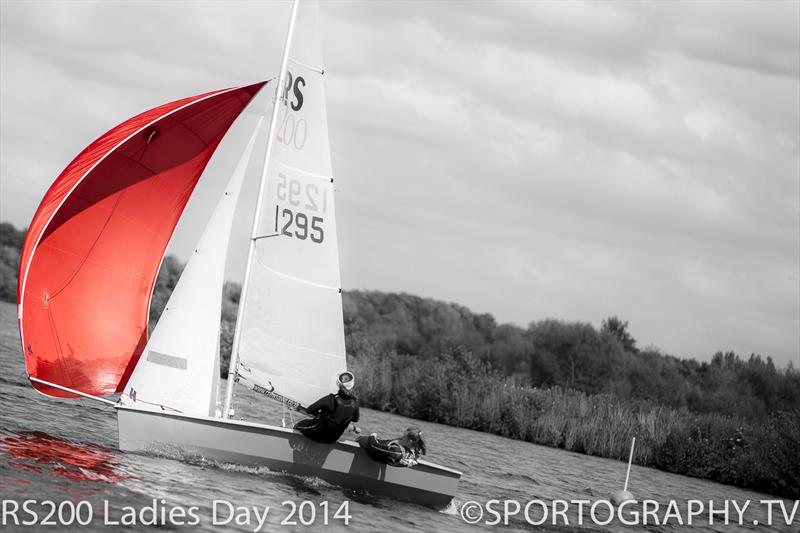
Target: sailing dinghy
<point>91,257</point>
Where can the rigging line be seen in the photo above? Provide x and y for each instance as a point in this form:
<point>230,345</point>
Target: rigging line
<point>265,236</point>
<point>161,405</point>
<point>71,391</point>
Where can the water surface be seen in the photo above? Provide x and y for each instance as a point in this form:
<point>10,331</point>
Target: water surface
<point>66,450</point>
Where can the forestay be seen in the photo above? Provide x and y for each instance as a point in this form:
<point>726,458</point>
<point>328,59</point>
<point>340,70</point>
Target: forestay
<point>292,335</point>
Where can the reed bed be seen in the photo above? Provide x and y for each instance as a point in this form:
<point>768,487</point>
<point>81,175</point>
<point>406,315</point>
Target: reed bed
<point>458,389</point>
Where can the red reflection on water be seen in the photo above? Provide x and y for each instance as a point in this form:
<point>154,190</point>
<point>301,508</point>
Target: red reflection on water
<point>76,462</point>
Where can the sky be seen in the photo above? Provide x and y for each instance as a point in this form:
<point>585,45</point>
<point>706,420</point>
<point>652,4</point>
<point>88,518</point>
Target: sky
<point>569,160</point>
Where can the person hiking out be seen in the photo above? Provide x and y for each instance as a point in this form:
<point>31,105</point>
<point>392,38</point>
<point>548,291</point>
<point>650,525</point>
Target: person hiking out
<point>332,414</point>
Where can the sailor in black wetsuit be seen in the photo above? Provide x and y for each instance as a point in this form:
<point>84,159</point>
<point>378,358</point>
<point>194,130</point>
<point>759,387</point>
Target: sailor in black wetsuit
<point>332,413</point>
<point>402,451</point>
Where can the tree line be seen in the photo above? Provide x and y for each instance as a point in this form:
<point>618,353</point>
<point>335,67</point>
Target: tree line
<point>572,355</point>
<point>558,383</point>
<point>10,246</point>
<point>546,353</point>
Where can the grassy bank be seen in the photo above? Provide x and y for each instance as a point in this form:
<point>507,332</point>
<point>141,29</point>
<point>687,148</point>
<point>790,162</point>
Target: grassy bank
<point>458,389</point>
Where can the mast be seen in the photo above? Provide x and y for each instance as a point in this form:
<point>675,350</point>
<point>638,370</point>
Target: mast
<point>237,334</point>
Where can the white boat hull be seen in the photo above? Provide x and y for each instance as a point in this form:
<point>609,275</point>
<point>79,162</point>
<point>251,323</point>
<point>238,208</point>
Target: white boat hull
<point>280,449</point>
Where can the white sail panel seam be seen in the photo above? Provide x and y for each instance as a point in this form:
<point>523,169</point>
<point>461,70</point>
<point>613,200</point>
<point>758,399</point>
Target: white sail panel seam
<point>304,172</point>
<point>292,345</point>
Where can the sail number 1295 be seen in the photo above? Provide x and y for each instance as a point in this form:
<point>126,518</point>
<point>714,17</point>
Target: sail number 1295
<point>297,225</point>
<point>290,220</point>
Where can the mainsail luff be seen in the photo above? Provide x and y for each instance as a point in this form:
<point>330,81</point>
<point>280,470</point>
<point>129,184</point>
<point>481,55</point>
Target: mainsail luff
<point>237,334</point>
<point>292,332</point>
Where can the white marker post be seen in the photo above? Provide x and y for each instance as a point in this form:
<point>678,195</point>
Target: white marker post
<point>630,460</point>
<point>623,495</point>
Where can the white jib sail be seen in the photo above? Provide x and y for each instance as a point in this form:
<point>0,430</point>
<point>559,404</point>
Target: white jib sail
<point>292,334</point>
<point>179,367</point>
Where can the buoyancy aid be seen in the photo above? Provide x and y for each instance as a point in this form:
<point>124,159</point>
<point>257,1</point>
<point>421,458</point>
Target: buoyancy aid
<point>344,409</point>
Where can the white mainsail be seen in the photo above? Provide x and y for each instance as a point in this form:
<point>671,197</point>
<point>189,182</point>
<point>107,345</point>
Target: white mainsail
<point>179,367</point>
<point>291,331</point>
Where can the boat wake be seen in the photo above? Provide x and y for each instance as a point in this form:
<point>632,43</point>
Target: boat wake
<point>300,482</point>
<point>525,478</point>
<point>310,484</point>
<point>452,508</point>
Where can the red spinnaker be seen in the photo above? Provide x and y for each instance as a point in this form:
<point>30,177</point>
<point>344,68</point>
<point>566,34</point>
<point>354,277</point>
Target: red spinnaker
<point>94,246</point>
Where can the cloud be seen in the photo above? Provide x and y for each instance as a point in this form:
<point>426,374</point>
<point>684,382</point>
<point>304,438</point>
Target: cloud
<point>529,159</point>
